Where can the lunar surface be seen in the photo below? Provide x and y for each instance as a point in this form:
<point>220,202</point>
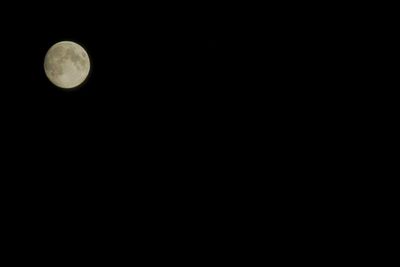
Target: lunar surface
<point>67,64</point>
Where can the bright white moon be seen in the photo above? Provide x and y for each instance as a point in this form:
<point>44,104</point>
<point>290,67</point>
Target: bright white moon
<point>67,64</point>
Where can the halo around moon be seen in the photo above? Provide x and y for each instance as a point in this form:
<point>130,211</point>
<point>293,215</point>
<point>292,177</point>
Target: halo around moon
<point>67,64</point>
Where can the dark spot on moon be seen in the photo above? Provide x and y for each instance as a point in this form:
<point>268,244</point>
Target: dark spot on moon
<point>53,67</point>
<point>58,51</point>
<point>78,60</point>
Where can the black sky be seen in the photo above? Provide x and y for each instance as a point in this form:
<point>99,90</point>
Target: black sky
<point>157,57</point>
<point>134,48</point>
<point>154,98</point>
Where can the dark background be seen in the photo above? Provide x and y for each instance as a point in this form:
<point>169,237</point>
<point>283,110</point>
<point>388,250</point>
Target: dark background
<point>156,80</point>
<point>149,116</point>
<point>150,148</point>
<point>133,151</point>
<point>150,55</point>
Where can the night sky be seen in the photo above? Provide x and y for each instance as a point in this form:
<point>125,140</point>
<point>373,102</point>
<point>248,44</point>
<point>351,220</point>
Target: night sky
<point>185,135</point>
<point>152,106</point>
<point>149,63</point>
<point>136,148</point>
<point>146,52</point>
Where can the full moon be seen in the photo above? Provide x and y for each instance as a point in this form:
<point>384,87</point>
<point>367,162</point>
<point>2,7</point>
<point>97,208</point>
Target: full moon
<point>67,64</point>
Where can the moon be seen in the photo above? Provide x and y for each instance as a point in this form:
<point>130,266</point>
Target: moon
<point>67,64</point>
